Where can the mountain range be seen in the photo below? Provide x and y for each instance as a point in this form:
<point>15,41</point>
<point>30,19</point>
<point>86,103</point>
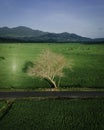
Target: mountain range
<point>25,34</point>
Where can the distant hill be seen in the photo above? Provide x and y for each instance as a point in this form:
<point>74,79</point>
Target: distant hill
<point>20,31</point>
<point>25,34</point>
<point>62,37</point>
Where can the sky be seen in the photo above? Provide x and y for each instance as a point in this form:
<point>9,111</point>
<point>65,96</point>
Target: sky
<point>83,17</point>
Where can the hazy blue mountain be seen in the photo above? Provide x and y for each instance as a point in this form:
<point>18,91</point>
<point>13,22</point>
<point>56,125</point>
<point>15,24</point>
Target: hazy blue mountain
<point>20,31</point>
<point>25,34</point>
<point>63,37</point>
<point>99,39</point>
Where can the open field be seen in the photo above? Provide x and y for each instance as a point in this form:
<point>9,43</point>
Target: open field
<point>88,69</point>
<point>55,115</point>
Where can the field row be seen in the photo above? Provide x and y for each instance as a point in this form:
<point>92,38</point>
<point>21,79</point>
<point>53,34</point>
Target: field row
<point>55,115</point>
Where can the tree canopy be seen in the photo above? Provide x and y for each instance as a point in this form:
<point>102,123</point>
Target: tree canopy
<point>49,65</point>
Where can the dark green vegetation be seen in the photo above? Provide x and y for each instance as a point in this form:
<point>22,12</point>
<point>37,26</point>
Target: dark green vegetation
<point>55,115</point>
<point>5,107</point>
<point>88,69</point>
<point>1,104</point>
<point>2,107</point>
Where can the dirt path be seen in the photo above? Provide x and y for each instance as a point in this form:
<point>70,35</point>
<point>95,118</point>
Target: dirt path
<point>54,94</point>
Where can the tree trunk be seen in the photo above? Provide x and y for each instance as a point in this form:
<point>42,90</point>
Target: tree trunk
<point>51,82</point>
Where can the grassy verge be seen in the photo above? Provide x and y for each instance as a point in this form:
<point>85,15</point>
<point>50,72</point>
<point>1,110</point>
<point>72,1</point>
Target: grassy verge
<point>5,108</point>
<point>49,89</point>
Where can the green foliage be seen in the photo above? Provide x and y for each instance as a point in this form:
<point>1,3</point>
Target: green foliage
<point>55,115</point>
<point>88,69</point>
<point>2,58</point>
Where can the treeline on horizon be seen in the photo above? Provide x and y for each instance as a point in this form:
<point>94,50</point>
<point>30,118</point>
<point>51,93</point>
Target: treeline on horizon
<point>16,40</point>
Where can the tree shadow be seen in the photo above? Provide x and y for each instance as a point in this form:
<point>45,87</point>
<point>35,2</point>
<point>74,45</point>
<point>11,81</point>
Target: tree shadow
<point>27,65</point>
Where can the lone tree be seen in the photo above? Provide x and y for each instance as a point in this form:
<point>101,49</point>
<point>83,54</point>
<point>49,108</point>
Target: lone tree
<point>48,66</point>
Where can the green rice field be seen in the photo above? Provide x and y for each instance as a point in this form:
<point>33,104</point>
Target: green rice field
<point>88,68</point>
<point>55,114</point>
